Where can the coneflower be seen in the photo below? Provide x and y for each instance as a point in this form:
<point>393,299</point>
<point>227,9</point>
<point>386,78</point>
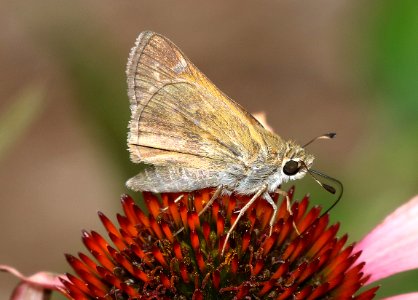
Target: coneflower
<point>147,260</point>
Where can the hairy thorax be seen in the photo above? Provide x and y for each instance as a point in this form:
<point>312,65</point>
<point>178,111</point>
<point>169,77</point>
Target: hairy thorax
<point>248,180</point>
<point>265,170</point>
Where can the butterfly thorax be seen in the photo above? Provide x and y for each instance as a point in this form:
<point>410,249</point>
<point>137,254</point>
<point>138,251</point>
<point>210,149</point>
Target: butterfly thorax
<point>265,170</point>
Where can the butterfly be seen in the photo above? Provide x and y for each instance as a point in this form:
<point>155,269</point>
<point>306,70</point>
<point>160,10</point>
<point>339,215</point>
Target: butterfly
<point>190,135</point>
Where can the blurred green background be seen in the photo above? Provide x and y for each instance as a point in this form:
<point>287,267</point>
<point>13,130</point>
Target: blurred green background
<point>313,66</point>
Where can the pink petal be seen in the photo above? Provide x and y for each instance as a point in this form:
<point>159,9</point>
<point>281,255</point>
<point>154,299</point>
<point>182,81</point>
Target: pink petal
<point>392,246</point>
<point>410,296</point>
<point>37,286</point>
<point>262,118</point>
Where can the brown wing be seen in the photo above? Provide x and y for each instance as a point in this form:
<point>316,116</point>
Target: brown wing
<point>172,179</point>
<point>179,117</point>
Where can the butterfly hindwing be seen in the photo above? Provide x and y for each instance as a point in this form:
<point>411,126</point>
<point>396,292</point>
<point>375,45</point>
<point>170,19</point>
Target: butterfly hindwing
<point>172,179</point>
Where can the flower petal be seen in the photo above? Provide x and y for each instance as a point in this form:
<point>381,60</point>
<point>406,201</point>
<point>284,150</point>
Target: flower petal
<point>262,118</point>
<point>410,296</point>
<point>36,286</point>
<point>391,247</point>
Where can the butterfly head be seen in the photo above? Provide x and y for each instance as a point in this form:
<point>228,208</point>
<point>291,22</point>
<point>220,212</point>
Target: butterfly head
<point>295,162</point>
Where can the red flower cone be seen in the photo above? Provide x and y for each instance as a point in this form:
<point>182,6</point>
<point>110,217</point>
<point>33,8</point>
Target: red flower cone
<point>173,253</point>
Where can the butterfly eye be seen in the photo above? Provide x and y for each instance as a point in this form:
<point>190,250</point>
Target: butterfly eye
<point>291,167</point>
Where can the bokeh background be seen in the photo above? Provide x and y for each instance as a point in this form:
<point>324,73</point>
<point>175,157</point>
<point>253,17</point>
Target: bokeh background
<point>312,66</point>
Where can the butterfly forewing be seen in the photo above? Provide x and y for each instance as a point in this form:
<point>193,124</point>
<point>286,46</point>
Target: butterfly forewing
<point>180,119</point>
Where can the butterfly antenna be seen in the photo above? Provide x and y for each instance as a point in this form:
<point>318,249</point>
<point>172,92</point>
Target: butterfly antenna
<point>326,136</point>
<point>327,187</point>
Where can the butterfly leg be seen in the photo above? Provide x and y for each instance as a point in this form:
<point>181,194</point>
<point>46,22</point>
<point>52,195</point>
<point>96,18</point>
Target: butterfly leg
<point>241,213</point>
<point>175,201</point>
<point>212,199</point>
<point>210,202</point>
<point>289,210</point>
<point>270,200</point>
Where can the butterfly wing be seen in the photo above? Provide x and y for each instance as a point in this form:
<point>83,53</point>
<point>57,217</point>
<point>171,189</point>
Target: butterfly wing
<point>179,118</point>
<point>172,179</point>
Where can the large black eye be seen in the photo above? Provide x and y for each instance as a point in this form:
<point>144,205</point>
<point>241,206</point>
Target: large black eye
<point>291,168</point>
